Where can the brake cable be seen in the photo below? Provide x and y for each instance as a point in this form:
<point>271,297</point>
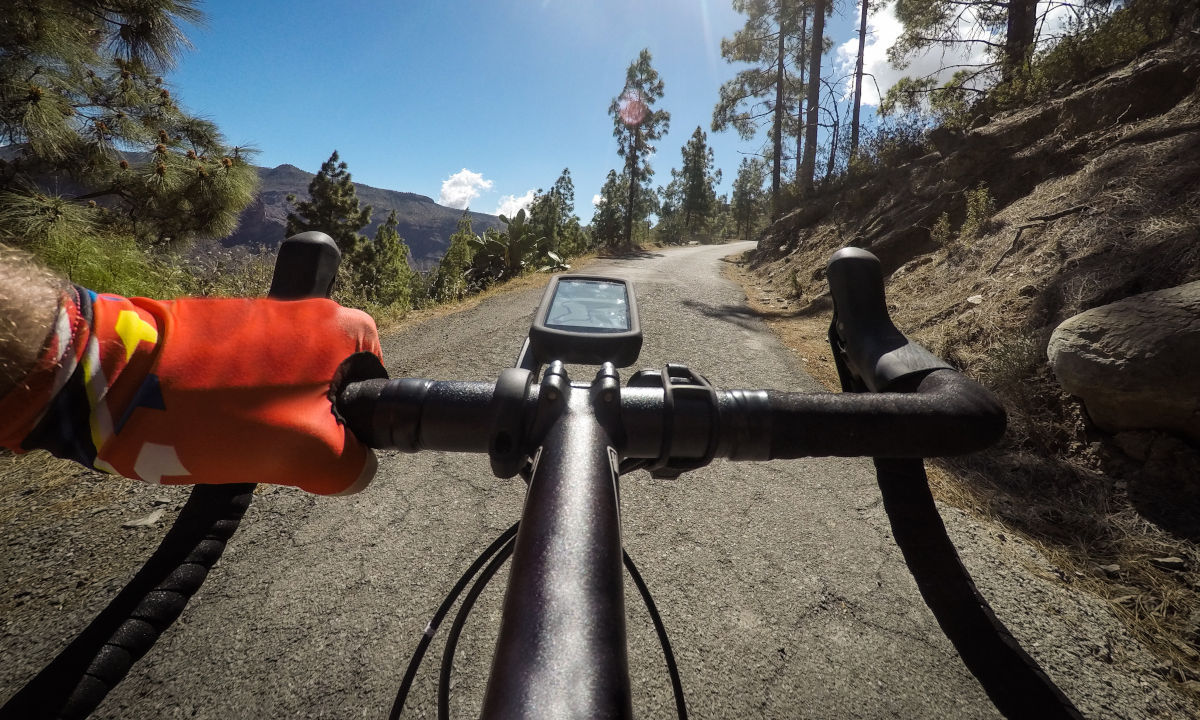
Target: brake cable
<point>460,619</point>
<point>498,552</point>
<point>431,629</point>
<point>663,640</point>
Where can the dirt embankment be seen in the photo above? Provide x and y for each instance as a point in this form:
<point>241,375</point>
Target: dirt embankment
<point>989,240</point>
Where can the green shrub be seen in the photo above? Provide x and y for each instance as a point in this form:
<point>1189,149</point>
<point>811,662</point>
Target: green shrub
<point>224,274</point>
<point>893,142</point>
<point>940,233</point>
<point>1091,42</point>
<point>1010,362</point>
<point>981,206</point>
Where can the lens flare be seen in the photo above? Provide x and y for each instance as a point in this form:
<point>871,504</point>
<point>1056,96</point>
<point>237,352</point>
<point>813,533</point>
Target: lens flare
<point>632,108</point>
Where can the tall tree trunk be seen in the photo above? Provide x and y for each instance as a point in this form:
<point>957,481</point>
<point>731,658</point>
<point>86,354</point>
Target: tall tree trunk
<point>633,185</point>
<point>814,98</point>
<point>800,99</point>
<point>780,109</point>
<point>1018,42</point>
<point>858,77</point>
<point>833,145</point>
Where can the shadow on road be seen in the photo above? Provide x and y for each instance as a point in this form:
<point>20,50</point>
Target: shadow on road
<point>632,255</point>
<point>740,315</point>
<point>743,316</point>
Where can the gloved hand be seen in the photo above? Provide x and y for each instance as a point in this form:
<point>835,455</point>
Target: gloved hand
<point>196,391</point>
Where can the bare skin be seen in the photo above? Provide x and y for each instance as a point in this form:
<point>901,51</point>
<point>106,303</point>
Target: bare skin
<point>28,303</point>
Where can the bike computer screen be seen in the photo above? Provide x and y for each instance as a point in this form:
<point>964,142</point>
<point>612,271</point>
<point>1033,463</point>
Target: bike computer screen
<point>587,319</point>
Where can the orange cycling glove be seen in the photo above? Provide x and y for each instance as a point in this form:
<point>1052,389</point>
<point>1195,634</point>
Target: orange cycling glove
<point>196,391</point>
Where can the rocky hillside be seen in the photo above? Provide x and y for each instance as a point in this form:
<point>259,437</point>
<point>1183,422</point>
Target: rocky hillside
<point>994,236</point>
<point>424,225</point>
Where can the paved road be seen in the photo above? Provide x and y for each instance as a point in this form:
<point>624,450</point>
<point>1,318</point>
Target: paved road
<point>779,583</point>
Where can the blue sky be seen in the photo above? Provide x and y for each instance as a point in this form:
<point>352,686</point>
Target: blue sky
<point>412,93</point>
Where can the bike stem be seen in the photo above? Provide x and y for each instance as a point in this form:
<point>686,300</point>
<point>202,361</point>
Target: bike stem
<point>561,651</point>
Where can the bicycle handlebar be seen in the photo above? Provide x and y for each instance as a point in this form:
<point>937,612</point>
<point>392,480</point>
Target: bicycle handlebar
<point>946,414</point>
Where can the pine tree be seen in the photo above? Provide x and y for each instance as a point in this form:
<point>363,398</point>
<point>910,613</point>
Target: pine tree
<point>808,161</point>
<point>564,192</point>
<point>858,76</point>
<point>748,196</point>
<point>773,31</point>
<point>636,124</point>
<point>544,220</point>
<point>930,23</point>
<point>698,197</point>
<point>552,217</point>
<point>332,207</point>
<point>572,240</point>
<point>450,282</point>
<point>671,229</point>
<point>607,222</point>
<point>83,106</point>
<point>382,269</point>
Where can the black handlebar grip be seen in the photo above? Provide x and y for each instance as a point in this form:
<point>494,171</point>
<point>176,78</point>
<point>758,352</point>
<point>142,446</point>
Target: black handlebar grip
<point>306,267</point>
<point>874,350</point>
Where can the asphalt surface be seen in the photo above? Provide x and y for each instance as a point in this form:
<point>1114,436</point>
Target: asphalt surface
<point>779,583</point>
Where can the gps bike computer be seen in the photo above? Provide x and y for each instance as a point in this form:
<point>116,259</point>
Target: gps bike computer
<point>587,319</point>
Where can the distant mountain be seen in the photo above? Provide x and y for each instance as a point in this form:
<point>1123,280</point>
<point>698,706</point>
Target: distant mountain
<point>424,225</point>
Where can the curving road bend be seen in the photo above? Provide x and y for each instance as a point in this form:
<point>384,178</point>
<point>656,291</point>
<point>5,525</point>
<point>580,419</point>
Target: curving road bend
<point>779,583</point>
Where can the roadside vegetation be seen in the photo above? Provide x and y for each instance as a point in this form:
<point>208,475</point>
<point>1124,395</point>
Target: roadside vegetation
<point>1055,177</point>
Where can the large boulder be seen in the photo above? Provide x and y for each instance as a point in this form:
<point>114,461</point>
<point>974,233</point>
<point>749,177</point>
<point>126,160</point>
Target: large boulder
<point>1135,363</point>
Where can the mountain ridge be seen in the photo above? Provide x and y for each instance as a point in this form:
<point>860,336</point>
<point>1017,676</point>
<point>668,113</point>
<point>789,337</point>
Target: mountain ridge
<point>425,225</point>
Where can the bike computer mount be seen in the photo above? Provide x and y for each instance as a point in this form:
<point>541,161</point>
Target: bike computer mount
<point>585,319</point>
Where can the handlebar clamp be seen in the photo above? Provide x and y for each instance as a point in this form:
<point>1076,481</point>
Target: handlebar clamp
<point>679,382</point>
<point>508,409</point>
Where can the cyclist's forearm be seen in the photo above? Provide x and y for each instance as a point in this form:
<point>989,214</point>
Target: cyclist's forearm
<point>28,301</point>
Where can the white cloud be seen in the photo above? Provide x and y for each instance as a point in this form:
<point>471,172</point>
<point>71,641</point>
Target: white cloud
<point>511,204</point>
<point>461,188</point>
<point>596,200</point>
<point>883,29</point>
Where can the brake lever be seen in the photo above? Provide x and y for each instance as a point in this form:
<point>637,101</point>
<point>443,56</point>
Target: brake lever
<point>870,352</point>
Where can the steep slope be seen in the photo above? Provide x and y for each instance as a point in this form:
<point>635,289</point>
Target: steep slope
<point>992,237</point>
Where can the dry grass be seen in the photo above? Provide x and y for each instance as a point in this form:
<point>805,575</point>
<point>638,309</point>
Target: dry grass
<point>59,487</point>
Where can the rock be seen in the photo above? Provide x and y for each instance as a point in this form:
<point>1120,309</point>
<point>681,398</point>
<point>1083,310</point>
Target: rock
<point>1133,362</point>
<point>975,299</point>
<point>148,521</point>
<point>1168,563</point>
<point>1111,570</point>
